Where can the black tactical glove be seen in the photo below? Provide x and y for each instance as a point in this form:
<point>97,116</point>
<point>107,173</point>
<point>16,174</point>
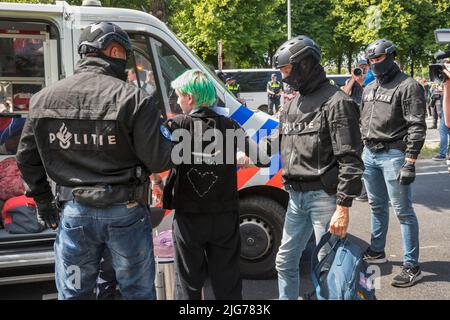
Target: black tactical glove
<point>48,212</point>
<point>407,173</point>
<point>171,125</point>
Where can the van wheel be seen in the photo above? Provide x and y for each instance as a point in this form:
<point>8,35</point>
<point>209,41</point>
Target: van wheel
<point>261,227</point>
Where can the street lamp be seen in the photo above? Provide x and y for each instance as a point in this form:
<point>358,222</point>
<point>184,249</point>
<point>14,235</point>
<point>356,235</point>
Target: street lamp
<point>442,35</point>
<point>289,19</point>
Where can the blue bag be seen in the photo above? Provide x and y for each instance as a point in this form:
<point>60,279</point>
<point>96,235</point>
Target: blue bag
<point>342,274</point>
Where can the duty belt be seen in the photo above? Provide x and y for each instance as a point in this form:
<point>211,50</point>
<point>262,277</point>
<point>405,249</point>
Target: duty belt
<point>104,195</point>
<point>304,186</point>
<point>375,146</point>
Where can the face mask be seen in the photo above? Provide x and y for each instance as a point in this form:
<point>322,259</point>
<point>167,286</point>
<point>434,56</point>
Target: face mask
<point>293,79</point>
<point>305,75</point>
<point>118,66</point>
<point>380,69</point>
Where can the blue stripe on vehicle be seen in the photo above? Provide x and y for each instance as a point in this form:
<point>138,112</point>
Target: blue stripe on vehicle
<point>275,165</point>
<point>242,114</point>
<point>267,127</point>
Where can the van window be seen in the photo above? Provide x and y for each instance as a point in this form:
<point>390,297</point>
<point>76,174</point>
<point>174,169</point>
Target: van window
<point>141,74</point>
<point>27,55</point>
<point>22,71</point>
<point>171,67</point>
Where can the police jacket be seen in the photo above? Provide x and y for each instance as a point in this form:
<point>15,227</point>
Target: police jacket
<point>320,142</point>
<point>206,179</point>
<point>235,89</point>
<point>275,87</point>
<point>91,128</point>
<point>394,110</point>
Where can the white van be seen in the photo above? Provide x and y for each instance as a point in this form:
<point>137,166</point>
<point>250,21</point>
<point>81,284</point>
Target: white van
<point>253,85</point>
<point>39,46</point>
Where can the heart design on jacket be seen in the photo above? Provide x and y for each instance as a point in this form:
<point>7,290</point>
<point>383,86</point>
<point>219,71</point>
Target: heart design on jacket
<point>201,182</point>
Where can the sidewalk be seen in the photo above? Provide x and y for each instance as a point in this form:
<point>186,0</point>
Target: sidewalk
<point>432,139</point>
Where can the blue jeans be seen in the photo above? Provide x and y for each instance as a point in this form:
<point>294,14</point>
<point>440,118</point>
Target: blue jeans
<point>380,179</point>
<point>444,132</point>
<point>82,237</point>
<point>307,212</point>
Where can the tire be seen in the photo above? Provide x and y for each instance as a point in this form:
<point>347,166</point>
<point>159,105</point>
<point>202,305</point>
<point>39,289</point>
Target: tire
<point>261,226</point>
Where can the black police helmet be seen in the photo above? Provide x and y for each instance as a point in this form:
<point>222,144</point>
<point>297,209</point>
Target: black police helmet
<point>380,47</point>
<point>295,50</point>
<point>98,36</point>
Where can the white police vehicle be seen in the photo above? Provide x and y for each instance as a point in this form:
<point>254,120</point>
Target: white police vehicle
<point>39,46</point>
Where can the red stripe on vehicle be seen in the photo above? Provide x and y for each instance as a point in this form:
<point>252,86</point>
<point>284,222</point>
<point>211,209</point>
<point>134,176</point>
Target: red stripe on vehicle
<point>168,211</point>
<point>244,175</point>
<point>276,180</point>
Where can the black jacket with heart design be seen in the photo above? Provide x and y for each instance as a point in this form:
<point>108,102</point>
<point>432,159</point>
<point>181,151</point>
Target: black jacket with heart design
<point>206,179</point>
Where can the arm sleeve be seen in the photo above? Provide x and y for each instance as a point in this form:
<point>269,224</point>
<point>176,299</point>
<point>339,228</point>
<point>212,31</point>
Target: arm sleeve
<point>343,122</point>
<point>30,165</point>
<point>152,147</point>
<point>414,111</point>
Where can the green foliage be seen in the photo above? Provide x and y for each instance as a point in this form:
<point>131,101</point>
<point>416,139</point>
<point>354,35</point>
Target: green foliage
<point>252,30</point>
<point>247,28</point>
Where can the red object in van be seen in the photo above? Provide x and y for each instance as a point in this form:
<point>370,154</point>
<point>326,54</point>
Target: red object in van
<point>11,184</point>
<point>14,203</point>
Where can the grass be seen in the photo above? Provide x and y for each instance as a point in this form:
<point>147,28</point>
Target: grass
<point>428,152</point>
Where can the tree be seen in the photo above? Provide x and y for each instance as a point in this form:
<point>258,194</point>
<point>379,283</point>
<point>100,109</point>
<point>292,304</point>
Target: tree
<point>247,29</point>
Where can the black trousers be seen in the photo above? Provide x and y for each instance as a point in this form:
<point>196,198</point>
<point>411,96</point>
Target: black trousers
<point>273,105</point>
<point>207,245</point>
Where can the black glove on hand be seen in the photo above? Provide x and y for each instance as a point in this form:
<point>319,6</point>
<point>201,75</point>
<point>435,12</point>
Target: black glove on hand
<point>171,125</point>
<point>47,212</point>
<point>407,173</point>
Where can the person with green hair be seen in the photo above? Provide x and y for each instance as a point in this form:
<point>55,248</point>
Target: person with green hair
<point>203,191</point>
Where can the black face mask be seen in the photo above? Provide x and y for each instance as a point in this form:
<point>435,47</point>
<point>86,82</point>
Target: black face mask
<point>305,76</point>
<point>293,79</point>
<point>382,68</point>
<point>118,66</point>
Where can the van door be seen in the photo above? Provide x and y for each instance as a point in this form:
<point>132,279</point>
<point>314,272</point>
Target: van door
<point>28,62</point>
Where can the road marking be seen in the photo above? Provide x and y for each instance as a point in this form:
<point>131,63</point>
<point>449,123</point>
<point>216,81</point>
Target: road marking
<point>51,296</point>
<point>430,173</point>
<point>429,247</point>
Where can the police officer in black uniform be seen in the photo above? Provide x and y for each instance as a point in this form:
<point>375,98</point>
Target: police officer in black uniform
<point>320,150</point>
<point>98,138</point>
<point>393,129</point>
<point>274,90</point>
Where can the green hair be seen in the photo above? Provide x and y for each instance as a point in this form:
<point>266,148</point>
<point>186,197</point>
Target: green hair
<point>197,84</point>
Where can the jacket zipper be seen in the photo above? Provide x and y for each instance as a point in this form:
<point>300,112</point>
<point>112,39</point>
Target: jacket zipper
<point>371,113</point>
<point>292,138</point>
<point>318,142</point>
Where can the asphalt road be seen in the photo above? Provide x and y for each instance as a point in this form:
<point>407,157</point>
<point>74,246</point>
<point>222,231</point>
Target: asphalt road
<point>431,194</point>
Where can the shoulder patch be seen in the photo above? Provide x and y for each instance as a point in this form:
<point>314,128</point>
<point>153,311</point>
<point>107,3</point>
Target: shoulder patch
<point>165,132</point>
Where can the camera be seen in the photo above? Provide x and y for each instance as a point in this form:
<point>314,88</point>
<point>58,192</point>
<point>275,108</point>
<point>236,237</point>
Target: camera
<point>358,71</point>
<point>436,70</point>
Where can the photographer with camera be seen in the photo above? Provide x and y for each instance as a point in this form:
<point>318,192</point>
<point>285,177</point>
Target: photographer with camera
<point>446,93</point>
<point>440,73</point>
<point>354,86</point>
<point>446,101</point>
